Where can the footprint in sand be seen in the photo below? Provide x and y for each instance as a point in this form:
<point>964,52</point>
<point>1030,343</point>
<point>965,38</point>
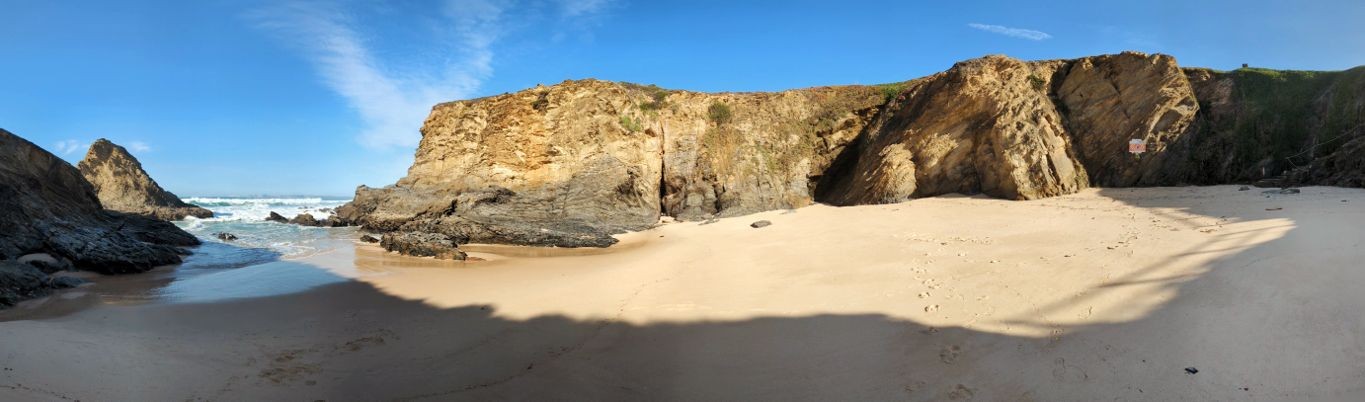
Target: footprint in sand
<point>961,392</point>
<point>949,354</point>
<point>1068,373</point>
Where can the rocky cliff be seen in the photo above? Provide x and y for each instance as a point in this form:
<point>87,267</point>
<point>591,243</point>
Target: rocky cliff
<point>572,163</point>
<point>50,215</point>
<point>1292,127</point>
<point>122,185</point>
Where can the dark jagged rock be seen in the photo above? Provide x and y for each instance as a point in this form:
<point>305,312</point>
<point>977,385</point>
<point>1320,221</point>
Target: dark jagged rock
<point>304,220</point>
<point>368,239</point>
<point>225,236</point>
<point>122,185</point>
<point>46,206</point>
<point>21,281</point>
<point>274,217</point>
<point>422,245</point>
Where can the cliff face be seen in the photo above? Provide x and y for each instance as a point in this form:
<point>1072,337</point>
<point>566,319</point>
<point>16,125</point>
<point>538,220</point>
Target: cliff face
<point>122,185</point>
<point>984,126</point>
<point>572,163</point>
<point>47,207</point>
<point>1256,123</point>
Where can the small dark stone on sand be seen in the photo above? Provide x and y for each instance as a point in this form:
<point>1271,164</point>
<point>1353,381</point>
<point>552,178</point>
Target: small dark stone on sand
<point>1243,188</point>
<point>759,224</point>
<point>1281,191</point>
<point>63,282</point>
<point>1191,370</point>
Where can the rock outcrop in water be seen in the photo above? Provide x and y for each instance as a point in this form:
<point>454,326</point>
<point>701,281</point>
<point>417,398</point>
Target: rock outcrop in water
<point>50,214</point>
<point>123,186</point>
<point>573,163</point>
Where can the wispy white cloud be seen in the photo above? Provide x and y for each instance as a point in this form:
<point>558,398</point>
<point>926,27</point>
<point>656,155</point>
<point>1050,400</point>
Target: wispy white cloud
<point>1012,32</point>
<point>69,147</point>
<point>139,147</point>
<point>582,8</point>
<point>392,103</point>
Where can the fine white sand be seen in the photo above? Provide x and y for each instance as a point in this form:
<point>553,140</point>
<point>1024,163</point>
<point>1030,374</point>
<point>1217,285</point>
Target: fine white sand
<point>1105,295</point>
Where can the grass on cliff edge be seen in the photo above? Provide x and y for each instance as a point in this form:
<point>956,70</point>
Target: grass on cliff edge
<point>891,90</point>
<point>1280,111</point>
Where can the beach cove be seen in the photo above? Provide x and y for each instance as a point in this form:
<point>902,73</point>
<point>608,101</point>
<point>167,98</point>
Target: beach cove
<point>1105,292</point>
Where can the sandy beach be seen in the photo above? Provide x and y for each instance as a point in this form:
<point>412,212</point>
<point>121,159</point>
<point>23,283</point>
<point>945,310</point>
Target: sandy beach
<point>1190,293</point>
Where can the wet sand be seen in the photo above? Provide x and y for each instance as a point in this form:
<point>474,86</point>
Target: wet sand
<point>1110,294</point>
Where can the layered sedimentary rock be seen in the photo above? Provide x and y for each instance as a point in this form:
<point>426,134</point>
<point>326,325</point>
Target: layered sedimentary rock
<point>985,126</point>
<point>572,163</point>
<point>50,214</point>
<point>1109,100</point>
<point>123,186</point>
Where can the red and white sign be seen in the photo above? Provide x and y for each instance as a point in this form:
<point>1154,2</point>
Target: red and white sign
<point>1137,146</point>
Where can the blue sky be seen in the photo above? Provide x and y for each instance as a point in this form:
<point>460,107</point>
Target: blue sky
<point>310,97</point>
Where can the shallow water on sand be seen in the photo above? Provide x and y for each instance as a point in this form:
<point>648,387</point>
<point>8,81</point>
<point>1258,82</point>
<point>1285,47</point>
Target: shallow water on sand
<point>264,260</point>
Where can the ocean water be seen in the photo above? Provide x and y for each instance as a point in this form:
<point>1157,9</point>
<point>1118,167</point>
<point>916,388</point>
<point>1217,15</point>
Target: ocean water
<point>245,218</point>
<point>258,263</point>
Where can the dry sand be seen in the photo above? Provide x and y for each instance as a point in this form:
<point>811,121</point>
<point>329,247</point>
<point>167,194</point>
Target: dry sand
<point>1105,295</point>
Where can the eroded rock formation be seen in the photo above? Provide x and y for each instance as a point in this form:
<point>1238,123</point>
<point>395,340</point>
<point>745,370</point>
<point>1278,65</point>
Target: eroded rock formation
<point>570,164</point>
<point>573,163</point>
<point>49,214</point>
<point>436,245</point>
<point>122,185</point>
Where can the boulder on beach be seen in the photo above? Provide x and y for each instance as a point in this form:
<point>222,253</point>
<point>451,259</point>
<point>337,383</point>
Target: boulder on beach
<point>45,262</point>
<point>369,239</point>
<point>420,244</point>
<point>122,185</point>
<point>47,207</point>
<point>21,281</point>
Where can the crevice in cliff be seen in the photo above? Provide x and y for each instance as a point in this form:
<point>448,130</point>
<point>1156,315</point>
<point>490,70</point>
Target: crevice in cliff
<point>663,170</point>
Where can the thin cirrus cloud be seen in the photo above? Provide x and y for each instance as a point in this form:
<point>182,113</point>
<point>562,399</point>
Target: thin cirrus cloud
<point>69,147</point>
<point>392,104</point>
<point>1012,32</point>
<point>139,146</point>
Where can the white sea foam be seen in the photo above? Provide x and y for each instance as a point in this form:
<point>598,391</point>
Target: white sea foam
<point>245,218</point>
<point>257,209</point>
